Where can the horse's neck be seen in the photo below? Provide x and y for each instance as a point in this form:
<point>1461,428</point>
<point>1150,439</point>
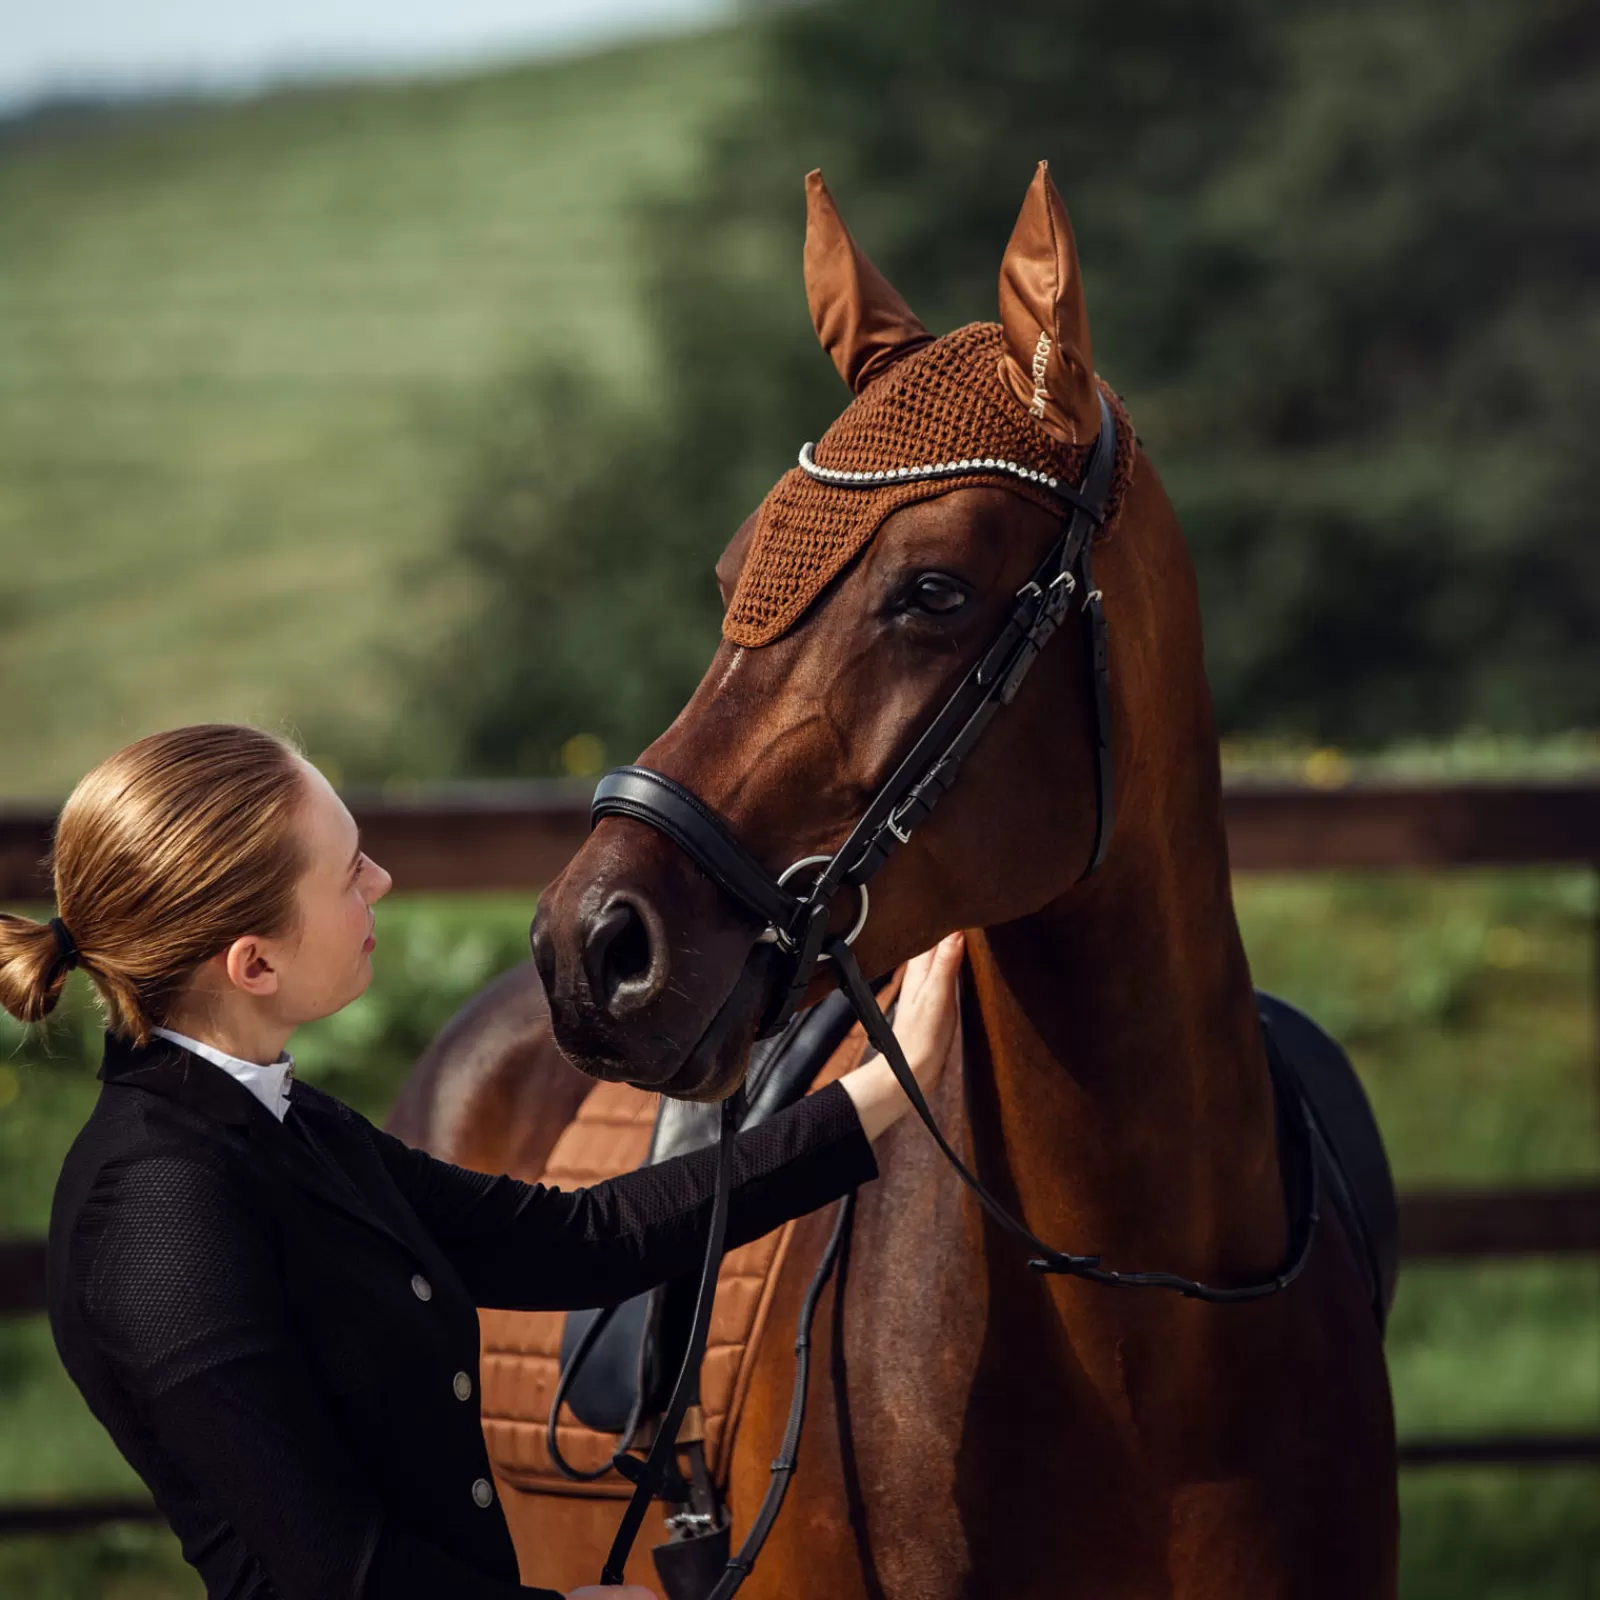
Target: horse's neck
<point>1117,1084</point>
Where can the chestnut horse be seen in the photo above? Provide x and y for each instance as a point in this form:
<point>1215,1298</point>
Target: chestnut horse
<point>978,1429</point>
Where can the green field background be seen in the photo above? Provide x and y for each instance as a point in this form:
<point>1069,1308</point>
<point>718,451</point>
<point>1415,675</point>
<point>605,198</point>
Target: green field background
<point>235,413</point>
<point>244,353</point>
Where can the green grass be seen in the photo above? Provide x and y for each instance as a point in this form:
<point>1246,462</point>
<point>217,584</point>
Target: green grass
<point>243,349</point>
<point>1494,1535</point>
<point>1467,999</point>
<point>1497,1347</point>
<point>114,1563</point>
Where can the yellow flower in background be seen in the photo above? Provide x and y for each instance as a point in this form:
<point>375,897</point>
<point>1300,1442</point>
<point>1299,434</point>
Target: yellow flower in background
<point>1328,768</point>
<point>583,756</point>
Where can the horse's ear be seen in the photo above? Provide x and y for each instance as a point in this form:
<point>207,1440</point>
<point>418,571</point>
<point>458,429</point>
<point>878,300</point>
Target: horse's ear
<point>1047,362</point>
<point>731,562</point>
<point>859,317</point>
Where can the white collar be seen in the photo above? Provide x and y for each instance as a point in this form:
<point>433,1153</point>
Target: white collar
<point>269,1084</point>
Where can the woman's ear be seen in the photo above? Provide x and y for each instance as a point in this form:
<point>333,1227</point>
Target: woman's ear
<point>1047,362</point>
<point>249,968</point>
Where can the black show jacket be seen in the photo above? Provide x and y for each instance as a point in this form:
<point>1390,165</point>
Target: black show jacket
<point>276,1321</point>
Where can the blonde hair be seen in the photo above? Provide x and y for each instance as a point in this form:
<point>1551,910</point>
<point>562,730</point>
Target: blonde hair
<point>163,855</point>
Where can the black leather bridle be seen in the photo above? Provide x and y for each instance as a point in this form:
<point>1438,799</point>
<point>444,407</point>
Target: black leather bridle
<point>797,921</point>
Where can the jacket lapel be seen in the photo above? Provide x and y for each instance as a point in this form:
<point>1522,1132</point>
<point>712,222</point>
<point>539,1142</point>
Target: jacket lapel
<point>328,1119</point>
<point>168,1069</point>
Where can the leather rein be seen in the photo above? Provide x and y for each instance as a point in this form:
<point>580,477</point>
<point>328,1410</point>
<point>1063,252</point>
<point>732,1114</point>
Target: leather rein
<point>798,921</point>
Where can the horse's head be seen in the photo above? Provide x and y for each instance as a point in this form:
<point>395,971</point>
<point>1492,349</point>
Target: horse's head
<point>852,613</point>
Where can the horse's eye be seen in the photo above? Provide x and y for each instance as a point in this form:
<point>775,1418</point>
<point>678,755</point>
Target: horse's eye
<point>938,594</point>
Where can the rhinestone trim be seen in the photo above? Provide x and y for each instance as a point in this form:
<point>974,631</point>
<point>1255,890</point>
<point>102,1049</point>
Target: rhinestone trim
<point>944,469</point>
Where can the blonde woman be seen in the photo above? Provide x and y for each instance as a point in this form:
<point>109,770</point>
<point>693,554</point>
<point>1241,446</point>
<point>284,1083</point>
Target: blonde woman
<point>269,1302</point>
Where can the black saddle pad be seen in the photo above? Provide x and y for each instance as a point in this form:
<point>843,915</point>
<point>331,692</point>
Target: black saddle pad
<point>1351,1160</point>
<point>640,1348</point>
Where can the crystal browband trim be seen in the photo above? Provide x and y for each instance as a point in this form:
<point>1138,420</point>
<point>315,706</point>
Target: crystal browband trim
<point>944,469</point>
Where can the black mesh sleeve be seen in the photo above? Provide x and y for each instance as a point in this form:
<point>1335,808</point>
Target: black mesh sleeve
<point>532,1247</point>
<point>178,1285</point>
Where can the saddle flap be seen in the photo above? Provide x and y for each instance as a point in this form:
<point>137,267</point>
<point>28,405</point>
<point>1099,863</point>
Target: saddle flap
<point>604,1387</point>
<point>1350,1153</point>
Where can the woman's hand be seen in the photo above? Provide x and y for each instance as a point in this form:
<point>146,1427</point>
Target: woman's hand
<point>925,1023</point>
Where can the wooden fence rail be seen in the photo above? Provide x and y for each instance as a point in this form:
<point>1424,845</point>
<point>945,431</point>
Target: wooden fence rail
<point>519,835</point>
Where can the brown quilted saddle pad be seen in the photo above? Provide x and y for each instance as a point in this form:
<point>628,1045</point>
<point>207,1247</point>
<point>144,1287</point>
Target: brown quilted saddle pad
<point>520,1358</point>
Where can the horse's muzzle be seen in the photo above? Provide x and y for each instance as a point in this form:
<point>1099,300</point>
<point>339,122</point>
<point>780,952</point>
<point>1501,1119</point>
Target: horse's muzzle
<point>651,978</point>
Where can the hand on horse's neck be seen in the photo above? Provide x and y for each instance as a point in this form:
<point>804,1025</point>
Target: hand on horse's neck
<point>1121,1082</point>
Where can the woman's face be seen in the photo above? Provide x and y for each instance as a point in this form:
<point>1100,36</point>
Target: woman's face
<point>327,962</point>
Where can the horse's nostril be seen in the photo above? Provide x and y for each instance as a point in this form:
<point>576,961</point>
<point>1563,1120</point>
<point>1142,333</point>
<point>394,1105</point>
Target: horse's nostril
<point>630,952</point>
<point>624,957</point>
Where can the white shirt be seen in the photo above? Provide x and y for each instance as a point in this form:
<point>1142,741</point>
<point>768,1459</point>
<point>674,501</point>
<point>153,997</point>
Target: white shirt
<point>269,1084</point>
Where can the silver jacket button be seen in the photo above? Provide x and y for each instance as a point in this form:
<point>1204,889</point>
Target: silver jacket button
<point>462,1385</point>
<point>420,1287</point>
<point>482,1491</point>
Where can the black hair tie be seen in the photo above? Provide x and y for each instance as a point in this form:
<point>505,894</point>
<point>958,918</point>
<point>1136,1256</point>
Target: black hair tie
<point>65,943</point>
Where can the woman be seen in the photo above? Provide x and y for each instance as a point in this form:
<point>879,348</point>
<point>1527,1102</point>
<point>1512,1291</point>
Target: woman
<point>269,1302</point>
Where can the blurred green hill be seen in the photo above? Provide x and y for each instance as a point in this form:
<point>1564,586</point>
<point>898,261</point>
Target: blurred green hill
<point>244,353</point>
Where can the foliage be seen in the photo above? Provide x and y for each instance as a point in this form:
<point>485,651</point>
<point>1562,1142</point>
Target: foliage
<point>1498,1535</point>
<point>134,1562</point>
<point>1340,264</point>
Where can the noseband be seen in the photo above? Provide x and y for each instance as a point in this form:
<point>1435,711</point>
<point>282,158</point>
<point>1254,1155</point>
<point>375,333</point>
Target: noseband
<point>797,922</point>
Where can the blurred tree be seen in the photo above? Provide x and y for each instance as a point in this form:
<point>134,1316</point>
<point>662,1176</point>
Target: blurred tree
<point>1342,265</point>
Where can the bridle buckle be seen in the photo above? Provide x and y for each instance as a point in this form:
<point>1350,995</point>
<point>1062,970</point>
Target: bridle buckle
<point>893,825</point>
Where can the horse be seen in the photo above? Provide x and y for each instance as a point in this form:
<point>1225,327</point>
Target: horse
<point>978,1429</point>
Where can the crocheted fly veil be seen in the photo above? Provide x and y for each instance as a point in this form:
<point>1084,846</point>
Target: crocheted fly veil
<point>1012,404</point>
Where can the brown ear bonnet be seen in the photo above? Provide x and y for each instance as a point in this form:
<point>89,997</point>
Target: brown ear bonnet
<point>998,403</point>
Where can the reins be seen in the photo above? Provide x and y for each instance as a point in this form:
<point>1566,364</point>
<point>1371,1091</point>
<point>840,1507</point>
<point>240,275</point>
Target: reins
<point>798,924</point>
<point>1046,1258</point>
<point>649,1475</point>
